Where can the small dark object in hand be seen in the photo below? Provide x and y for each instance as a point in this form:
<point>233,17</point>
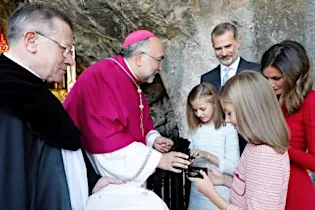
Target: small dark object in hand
<point>181,145</point>
<point>194,172</point>
<point>191,158</point>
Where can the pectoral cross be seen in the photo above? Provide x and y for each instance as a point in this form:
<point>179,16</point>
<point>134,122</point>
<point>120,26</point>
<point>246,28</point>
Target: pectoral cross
<point>141,107</point>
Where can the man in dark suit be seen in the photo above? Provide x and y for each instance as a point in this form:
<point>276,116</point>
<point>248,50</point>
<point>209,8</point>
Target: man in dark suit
<point>36,133</point>
<point>225,41</point>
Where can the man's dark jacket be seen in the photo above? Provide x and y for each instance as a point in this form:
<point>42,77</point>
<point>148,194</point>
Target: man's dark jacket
<point>34,127</point>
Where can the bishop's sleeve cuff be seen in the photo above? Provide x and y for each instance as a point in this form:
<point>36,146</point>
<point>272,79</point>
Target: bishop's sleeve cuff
<point>151,136</point>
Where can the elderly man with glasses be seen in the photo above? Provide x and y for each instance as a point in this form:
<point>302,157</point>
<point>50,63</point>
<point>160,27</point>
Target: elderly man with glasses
<point>113,116</point>
<point>36,133</point>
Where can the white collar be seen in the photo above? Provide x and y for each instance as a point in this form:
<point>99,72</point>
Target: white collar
<point>130,69</point>
<point>21,64</point>
<point>233,66</point>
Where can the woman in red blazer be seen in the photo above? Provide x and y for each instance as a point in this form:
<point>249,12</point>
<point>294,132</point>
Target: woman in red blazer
<point>287,67</point>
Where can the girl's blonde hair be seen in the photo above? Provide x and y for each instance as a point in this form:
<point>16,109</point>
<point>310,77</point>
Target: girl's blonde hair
<point>258,113</point>
<point>209,92</point>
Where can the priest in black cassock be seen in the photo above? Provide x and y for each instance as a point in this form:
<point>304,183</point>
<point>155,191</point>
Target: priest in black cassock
<point>35,130</point>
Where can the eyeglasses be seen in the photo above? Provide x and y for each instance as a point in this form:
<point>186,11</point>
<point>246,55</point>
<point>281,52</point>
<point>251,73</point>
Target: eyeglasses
<point>159,59</point>
<point>67,49</point>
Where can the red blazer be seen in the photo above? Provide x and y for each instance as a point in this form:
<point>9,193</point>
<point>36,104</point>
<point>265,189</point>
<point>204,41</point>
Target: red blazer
<point>301,191</point>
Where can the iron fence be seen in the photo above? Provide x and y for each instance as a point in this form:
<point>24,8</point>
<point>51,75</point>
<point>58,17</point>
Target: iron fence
<point>173,188</point>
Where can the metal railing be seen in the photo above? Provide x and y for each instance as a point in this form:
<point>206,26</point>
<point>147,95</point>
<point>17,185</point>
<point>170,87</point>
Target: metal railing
<point>173,188</point>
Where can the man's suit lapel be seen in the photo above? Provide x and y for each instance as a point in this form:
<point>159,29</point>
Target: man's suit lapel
<point>241,66</point>
<point>217,78</point>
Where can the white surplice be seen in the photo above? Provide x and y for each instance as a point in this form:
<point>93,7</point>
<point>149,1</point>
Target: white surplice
<point>76,175</point>
<point>125,197</point>
<point>132,164</point>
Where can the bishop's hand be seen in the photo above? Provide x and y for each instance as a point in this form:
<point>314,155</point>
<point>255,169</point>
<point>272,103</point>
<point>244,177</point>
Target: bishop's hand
<point>163,144</point>
<point>171,161</point>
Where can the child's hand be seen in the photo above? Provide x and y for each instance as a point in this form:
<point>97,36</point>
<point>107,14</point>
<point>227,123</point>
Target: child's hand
<point>198,153</point>
<point>215,176</point>
<point>205,185</point>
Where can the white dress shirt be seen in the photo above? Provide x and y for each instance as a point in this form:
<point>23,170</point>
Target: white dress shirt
<point>233,70</point>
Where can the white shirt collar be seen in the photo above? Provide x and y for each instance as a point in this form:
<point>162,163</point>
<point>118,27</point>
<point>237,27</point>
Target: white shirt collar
<point>130,69</point>
<point>21,64</point>
<point>233,70</point>
<point>233,66</point>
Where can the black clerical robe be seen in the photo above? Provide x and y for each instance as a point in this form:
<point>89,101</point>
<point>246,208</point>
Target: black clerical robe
<point>34,128</point>
<point>32,175</point>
